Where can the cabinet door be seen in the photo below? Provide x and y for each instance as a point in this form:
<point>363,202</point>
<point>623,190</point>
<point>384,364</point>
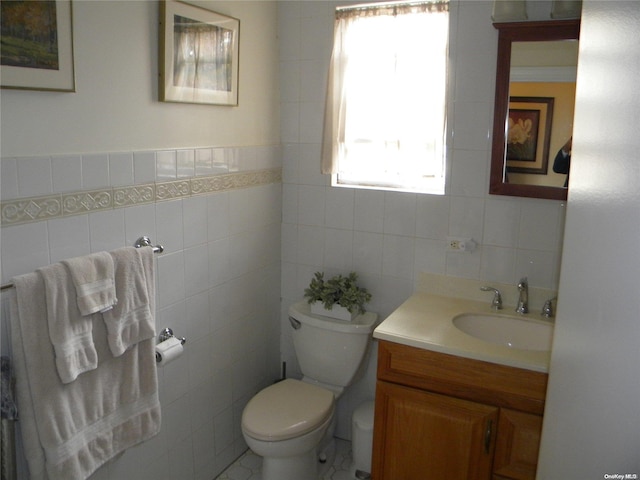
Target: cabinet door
<point>424,436</point>
<point>517,445</point>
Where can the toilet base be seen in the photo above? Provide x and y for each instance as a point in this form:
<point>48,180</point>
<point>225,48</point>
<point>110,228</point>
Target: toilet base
<point>326,456</point>
<point>311,466</point>
<point>301,467</point>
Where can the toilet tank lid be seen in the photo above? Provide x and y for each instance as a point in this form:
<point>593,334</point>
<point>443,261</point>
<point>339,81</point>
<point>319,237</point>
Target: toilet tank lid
<point>364,323</point>
<point>287,409</point>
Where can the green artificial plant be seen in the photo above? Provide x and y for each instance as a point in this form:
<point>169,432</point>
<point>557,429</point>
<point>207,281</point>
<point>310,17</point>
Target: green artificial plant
<point>340,290</point>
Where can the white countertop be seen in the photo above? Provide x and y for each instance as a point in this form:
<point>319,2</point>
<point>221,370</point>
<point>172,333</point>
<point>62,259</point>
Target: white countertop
<point>425,321</point>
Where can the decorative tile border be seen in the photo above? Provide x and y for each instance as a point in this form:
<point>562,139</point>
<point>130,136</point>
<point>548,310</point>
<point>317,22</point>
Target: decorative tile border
<point>28,210</point>
<point>31,210</point>
<point>84,202</point>
<point>134,195</point>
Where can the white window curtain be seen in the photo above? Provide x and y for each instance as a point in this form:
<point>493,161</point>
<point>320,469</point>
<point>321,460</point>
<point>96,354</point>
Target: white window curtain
<point>202,55</point>
<point>386,94</point>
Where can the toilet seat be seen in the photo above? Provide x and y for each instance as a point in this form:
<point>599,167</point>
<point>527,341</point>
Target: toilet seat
<point>287,409</point>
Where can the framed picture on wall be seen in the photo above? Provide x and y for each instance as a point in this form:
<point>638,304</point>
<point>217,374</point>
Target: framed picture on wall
<point>198,55</point>
<point>529,134</point>
<point>37,45</point>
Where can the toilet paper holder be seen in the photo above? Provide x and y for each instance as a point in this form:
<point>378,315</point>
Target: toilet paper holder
<point>167,333</point>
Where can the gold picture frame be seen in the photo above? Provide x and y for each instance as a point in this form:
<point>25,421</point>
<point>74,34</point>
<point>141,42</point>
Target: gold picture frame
<point>199,53</point>
<point>37,46</point>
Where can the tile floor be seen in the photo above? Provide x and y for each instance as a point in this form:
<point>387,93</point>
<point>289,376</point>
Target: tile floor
<point>248,466</point>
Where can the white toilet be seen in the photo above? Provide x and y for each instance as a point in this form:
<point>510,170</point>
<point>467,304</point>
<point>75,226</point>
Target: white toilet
<point>291,422</point>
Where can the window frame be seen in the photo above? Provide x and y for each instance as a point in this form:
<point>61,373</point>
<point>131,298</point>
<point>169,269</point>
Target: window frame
<point>436,184</point>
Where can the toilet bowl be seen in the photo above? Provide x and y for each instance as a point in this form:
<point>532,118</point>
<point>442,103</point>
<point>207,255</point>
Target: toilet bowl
<point>291,423</point>
<point>284,423</point>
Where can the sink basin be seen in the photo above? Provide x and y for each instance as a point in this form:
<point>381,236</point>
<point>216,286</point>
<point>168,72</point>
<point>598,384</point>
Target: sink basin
<point>510,331</point>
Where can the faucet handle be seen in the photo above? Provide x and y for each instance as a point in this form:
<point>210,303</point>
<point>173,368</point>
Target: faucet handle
<point>547,309</point>
<point>496,303</point>
<point>523,296</point>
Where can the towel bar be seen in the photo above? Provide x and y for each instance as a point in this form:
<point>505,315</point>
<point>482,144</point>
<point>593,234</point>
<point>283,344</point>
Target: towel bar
<point>141,242</point>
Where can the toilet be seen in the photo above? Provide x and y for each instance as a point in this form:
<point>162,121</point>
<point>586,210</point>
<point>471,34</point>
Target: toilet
<point>291,423</point>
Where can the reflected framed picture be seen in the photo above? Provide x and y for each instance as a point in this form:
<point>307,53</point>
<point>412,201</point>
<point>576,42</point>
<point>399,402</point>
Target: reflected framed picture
<point>37,45</point>
<point>199,51</point>
<point>529,134</point>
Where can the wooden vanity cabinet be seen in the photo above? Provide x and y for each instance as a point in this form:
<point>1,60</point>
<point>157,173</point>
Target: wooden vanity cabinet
<point>442,416</point>
<point>426,432</point>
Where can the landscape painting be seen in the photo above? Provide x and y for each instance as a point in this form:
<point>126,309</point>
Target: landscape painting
<point>29,34</point>
<point>36,45</point>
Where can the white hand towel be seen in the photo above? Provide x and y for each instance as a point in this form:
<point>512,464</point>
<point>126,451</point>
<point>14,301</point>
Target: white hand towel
<point>69,431</point>
<point>132,319</point>
<point>69,331</point>
<point>93,278</point>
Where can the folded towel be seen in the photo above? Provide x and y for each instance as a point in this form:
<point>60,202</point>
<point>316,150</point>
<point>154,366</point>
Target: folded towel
<point>69,431</point>
<point>132,319</point>
<point>69,331</point>
<point>93,278</point>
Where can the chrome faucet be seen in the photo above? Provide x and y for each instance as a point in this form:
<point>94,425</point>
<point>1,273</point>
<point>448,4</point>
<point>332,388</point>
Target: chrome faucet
<point>523,297</point>
<point>547,309</point>
<point>496,303</point>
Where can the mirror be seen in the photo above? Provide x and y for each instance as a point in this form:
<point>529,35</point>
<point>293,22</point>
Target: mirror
<point>535,92</point>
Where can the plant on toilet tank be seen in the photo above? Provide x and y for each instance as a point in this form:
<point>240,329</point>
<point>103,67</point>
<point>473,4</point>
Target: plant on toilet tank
<point>338,297</point>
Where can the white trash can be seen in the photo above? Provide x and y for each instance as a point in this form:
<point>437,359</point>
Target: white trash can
<point>362,440</point>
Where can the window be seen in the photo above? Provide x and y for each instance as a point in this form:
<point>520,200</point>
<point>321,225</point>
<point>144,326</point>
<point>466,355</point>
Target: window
<point>385,117</point>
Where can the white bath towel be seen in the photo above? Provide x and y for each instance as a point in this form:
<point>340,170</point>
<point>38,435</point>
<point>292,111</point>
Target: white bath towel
<point>69,431</point>
<point>93,278</point>
<point>132,319</point>
<point>69,331</point>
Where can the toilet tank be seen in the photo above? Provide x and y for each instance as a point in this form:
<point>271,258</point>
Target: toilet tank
<point>328,350</point>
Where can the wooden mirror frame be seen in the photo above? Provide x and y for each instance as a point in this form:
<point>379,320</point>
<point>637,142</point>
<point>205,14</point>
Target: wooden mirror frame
<point>520,32</point>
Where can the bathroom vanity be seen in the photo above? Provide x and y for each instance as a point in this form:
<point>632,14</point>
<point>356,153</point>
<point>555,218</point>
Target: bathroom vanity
<point>450,405</point>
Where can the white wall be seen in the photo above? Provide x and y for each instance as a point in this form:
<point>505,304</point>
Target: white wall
<point>592,418</point>
<point>116,103</point>
<point>218,280</point>
<point>390,238</point>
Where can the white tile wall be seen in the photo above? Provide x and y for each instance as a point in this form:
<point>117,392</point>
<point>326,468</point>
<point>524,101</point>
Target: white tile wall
<point>121,169</point>
<point>144,167</point>
<point>166,165</point>
<point>34,176</point>
<point>67,173</point>
<point>9,179</point>
<point>95,172</point>
<point>393,237</point>
<point>218,285</point>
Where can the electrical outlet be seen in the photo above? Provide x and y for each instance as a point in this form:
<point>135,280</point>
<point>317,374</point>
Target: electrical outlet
<point>461,244</point>
<point>456,245</point>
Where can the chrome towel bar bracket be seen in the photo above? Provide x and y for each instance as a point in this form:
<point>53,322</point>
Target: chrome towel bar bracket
<point>146,242</point>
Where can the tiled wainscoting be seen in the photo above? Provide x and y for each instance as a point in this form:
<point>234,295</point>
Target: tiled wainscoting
<point>76,203</point>
<point>217,212</point>
<point>42,188</point>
